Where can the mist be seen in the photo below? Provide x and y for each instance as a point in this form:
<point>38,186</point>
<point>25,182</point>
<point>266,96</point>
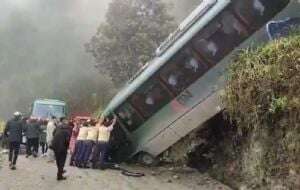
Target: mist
<point>42,49</point>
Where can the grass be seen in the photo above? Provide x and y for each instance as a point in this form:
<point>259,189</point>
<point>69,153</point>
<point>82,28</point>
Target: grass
<point>263,98</point>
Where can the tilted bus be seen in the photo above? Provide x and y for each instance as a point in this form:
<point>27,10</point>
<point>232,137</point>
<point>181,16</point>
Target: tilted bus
<point>179,89</point>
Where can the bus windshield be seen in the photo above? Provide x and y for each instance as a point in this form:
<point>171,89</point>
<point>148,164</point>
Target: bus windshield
<point>48,110</point>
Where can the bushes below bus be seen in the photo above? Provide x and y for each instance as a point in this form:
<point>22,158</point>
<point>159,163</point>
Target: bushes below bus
<point>263,99</point>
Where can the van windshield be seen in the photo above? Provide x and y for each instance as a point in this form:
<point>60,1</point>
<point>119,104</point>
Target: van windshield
<point>48,110</point>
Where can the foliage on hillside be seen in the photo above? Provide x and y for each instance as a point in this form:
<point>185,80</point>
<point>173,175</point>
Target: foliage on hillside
<point>263,98</point>
<point>264,85</point>
<point>133,29</point>
<point>2,125</point>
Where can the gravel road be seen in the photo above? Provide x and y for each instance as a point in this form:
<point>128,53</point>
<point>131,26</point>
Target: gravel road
<point>37,174</point>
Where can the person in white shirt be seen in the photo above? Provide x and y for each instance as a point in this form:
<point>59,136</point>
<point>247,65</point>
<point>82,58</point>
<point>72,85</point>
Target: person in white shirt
<point>79,146</point>
<point>105,126</point>
<point>51,126</point>
<point>89,143</point>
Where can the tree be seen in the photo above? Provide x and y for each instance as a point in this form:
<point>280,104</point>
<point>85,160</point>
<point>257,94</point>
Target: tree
<point>133,29</point>
<point>182,8</point>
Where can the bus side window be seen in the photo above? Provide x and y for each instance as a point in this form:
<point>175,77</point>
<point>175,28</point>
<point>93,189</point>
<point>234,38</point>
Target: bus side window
<point>183,70</point>
<point>150,97</point>
<point>220,37</point>
<point>256,12</point>
<point>129,117</point>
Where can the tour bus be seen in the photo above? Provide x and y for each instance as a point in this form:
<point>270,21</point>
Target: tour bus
<point>179,89</point>
<point>46,108</point>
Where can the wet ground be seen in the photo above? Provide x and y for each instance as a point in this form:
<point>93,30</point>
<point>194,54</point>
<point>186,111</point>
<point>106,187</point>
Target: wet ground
<point>32,174</point>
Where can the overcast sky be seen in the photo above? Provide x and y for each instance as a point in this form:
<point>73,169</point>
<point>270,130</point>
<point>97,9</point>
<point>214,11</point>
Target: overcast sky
<point>40,37</point>
<point>45,38</point>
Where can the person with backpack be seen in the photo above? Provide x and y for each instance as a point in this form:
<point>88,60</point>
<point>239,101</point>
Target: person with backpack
<point>13,131</point>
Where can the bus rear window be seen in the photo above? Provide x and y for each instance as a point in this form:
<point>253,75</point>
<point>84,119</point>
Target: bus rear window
<point>150,97</point>
<point>48,110</point>
<point>220,37</point>
<point>129,117</point>
<point>183,70</point>
<point>256,12</point>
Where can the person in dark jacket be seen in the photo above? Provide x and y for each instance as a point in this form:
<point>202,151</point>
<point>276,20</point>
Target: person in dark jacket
<point>60,145</point>
<point>13,130</point>
<point>43,140</point>
<point>32,131</point>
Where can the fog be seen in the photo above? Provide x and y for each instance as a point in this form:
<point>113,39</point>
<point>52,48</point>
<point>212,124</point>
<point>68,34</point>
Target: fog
<point>41,47</point>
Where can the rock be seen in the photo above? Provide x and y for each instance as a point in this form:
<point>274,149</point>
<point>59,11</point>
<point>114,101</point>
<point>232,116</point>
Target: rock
<point>215,166</point>
<point>171,169</point>
<point>292,172</point>
<point>187,170</point>
<point>153,173</point>
<point>200,183</point>
<point>176,177</point>
<point>243,187</point>
<point>5,151</point>
<point>169,181</point>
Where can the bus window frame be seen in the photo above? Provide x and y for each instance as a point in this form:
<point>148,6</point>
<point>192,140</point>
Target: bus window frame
<point>140,117</point>
<point>176,64</point>
<point>154,79</point>
<point>250,26</point>
<point>206,34</point>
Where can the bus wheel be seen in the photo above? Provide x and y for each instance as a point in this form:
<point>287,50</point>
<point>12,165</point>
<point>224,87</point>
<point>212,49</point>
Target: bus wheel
<point>147,159</point>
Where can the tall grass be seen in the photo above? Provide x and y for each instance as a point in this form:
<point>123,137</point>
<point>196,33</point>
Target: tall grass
<point>263,98</point>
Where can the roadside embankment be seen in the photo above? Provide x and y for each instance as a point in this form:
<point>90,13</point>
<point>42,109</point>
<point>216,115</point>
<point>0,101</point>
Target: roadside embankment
<point>255,143</point>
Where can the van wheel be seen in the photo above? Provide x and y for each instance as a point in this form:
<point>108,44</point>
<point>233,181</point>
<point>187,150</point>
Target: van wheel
<point>147,159</point>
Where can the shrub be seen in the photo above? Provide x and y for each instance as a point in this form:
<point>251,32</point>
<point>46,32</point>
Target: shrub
<point>264,85</point>
<point>262,96</point>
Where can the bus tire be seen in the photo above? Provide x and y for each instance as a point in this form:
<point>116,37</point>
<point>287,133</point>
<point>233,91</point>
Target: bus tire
<point>147,159</point>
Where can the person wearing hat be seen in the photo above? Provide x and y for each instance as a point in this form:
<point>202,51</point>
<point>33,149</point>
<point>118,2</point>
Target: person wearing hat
<point>13,130</point>
<point>60,145</point>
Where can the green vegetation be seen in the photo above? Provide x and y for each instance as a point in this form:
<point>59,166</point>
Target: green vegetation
<point>263,99</point>
<point>133,29</point>
<point>2,125</point>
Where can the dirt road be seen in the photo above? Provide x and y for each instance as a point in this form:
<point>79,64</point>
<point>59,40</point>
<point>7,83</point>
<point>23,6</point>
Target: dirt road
<point>32,174</point>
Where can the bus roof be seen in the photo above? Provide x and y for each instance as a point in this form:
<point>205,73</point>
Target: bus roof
<point>198,19</point>
<point>50,101</point>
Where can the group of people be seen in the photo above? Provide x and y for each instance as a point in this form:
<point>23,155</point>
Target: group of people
<point>35,133</point>
<point>32,129</point>
<point>90,143</point>
<point>87,141</point>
